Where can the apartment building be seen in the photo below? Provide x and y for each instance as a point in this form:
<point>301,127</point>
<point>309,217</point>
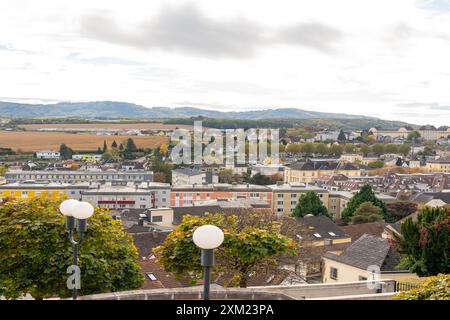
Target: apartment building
<point>78,176</point>
<point>311,170</point>
<point>185,176</point>
<point>439,165</point>
<point>186,195</point>
<point>30,189</point>
<point>286,196</point>
<point>120,196</point>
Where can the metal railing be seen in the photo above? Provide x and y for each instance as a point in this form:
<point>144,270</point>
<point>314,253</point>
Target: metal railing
<point>405,286</point>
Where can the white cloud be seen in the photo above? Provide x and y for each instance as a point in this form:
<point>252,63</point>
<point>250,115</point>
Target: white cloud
<point>383,58</point>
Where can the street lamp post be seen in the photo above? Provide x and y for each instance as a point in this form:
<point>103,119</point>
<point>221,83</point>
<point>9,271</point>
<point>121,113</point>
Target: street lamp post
<point>207,238</point>
<point>76,213</point>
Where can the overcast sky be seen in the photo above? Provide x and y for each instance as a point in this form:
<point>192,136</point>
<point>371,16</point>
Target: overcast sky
<point>384,58</point>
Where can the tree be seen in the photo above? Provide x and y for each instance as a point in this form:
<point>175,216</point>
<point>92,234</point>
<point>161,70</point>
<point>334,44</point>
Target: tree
<point>310,203</point>
<point>159,177</point>
<point>131,146</point>
<point>378,149</point>
<point>293,148</point>
<point>3,170</point>
<point>250,246</point>
<point>364,149</point>
<point>391,148</point>
<point>366,212</point>
<point>307,148</point>
<point>105,147</point>
<point>365,194</point>
<point>114,144</point>
<point>321,148</point>
<point>376,164</point>
<point>99,151</point>
<point>341,137</point>
<point>336,150</point>
<point>65,152</point>
<point>404,149</point>
<point>433,288</point>
<point>401,209</point>
<point>106,156</point>
<point>425,243</point>
<point>226,176</point>
<point>164,149</point>
<point>35,252</point>
<point>413,136</point>
<point>349,148</point>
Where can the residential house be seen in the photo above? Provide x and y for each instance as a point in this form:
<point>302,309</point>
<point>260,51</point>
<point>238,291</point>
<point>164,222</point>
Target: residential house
<point>368,258</point>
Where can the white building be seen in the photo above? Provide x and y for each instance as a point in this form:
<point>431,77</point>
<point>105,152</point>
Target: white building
<point>48,154</point>
<point>187,176</point>
<point>129,195</point>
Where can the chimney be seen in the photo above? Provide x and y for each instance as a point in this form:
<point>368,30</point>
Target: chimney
<point>155,233</point>
<point>141,222</point>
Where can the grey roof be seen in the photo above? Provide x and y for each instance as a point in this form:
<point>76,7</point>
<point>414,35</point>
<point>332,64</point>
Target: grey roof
<point>322,165</point>
<point>323,226</point>
<point>440,160</point>
<point>368,251</point>
<point>187,171</point>
<point>428,196</point>
<point>357,230</point>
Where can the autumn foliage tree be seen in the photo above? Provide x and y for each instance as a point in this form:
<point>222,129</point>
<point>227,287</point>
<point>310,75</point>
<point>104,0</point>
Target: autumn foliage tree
<point>249,246</point>
<point>35,252</point>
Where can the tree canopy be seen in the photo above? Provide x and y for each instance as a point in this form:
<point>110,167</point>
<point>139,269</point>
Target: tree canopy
<point>35,252</point>
<point>366,212</point>
<point>310,203</point>
<point>425,243</point>
<point>249,246</point>
<point>365,194</point>
<point>65,152</point>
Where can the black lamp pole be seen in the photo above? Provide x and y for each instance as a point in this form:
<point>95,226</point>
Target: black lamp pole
<point>81,226</point>
<point>207,261</point>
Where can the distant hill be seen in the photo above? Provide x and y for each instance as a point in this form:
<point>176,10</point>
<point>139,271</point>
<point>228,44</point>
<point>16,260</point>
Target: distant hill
<point>75,112</point>
<point>113,110</point>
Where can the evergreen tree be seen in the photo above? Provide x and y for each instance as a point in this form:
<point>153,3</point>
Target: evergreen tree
<point>341,136</point>
<point>65,152</point>
<point>425,243</point>
<point>105,147</point>
<point>310,203</point>
<point>131,146</point>
<point>366,194</point>
<point>114,144</point>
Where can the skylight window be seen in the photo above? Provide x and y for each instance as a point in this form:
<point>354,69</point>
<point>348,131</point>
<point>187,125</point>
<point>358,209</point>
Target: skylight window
<point>317,235</point>
<point>332,234</point>
<point>151,276</point>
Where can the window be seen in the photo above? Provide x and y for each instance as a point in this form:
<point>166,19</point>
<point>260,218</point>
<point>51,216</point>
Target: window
<point>157,218</point>
<point>151,276</point>
<point>317,235</point>
<point>333,273</point>
<point>361,278</point>
<point>332,234</point>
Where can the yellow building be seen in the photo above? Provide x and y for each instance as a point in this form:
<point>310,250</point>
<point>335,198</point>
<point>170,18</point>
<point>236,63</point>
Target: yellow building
<point>368,258</point>
<point>337,202</point>
<point>351,157</point>
<point>285,196</point>
<point>439,165</point>
<point>311,170</point>
<point>29,189</point>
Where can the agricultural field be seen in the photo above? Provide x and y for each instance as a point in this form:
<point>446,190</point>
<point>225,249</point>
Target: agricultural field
<point>34,141</point>
<point>99,126</point>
